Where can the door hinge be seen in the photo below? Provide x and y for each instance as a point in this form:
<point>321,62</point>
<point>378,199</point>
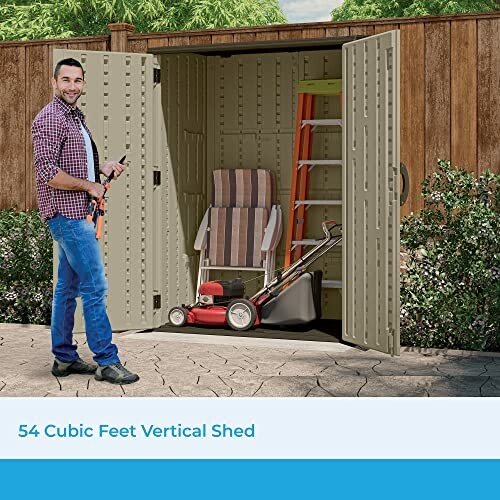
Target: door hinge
<point>156,75</point>
<point>156,301</point>
<point>156,177</point>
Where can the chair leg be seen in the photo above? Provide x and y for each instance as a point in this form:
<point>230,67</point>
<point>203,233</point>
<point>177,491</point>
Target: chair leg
<point>202,273</point>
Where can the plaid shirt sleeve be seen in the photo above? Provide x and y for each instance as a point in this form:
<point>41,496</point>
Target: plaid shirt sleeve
<point>48,136</point>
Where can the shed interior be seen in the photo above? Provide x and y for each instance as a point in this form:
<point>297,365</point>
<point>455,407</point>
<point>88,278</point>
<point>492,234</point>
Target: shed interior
<point>235,108</point>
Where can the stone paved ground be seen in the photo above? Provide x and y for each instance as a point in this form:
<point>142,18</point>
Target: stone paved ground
<point>196,365</point>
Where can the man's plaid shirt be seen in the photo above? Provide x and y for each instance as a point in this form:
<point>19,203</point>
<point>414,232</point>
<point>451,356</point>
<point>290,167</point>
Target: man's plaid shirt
<point>59,145</point>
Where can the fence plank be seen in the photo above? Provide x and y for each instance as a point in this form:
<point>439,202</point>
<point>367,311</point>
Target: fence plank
<point>223,38</point>
<point>337,32</point>
<point>264,36</point>
<point>138,46</point>
<point>488,105</point>
<point>38,94</point>
<point>382,28</point>
<point>290,35</point>
<point>313,33</point>
<point>437,94</point>
<point>363,30</point>
<point>244,37</point>
<point>12,129</point>
<point>412,112</point>
<point>464,94</point>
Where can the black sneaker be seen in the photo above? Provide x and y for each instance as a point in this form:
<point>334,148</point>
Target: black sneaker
<point>116,374</point>
<point>61,369</point>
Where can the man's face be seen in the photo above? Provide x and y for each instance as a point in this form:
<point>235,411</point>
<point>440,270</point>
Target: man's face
<point>69,84</point>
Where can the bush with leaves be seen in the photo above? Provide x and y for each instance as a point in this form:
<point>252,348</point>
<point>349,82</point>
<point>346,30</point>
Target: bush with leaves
<point>25,268</point>
<point>450,292</point>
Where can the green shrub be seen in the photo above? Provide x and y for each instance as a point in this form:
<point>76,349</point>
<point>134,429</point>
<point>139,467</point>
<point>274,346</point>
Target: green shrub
<point>25,268</point>
<point>450,292</point>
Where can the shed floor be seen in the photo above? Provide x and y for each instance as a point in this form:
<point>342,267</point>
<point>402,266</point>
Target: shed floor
<point>325,330</point>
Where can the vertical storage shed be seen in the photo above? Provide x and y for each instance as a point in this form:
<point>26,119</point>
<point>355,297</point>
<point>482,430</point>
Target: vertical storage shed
<point>182,112</point>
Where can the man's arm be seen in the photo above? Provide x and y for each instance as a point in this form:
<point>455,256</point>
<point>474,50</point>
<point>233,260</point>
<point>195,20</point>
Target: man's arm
<point>67,182</point>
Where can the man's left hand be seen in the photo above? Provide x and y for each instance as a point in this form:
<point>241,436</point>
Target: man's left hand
<point>112,166</point>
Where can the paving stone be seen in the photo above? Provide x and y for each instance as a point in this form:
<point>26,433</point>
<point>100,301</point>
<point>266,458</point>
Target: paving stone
<point>319,392</point>
<point>301,368</point>
<point>491,387</point>
<point>342,385</point>
<point>191,369</point>
<point>397,386</point>
<point>287,387</point>
<point>493,369</point>
<point>466,386</point>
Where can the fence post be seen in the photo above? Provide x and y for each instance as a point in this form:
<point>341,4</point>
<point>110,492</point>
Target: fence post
<point>119,36</point>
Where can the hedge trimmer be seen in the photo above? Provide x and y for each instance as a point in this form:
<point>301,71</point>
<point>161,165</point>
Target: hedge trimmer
<point>96,207</point>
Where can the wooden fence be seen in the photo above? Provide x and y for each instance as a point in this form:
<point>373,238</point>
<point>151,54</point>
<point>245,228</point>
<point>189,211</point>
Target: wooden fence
<point>450,89</point>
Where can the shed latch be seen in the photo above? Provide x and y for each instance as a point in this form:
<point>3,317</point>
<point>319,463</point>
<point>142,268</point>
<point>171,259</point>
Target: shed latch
<point>156,75</point>
<point>156,301</point>
<point>156,177</point>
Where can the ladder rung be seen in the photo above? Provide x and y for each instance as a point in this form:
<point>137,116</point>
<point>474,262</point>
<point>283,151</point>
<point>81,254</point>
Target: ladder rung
<point>319,162</point>
<point>305,242</point>
<point>331,284</point>
<point>317,202</point>
<point>328,122</point>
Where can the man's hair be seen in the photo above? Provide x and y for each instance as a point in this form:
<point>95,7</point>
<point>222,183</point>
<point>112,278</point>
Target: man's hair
<point>67,62</point>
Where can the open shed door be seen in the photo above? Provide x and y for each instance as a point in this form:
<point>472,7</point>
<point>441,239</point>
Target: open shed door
<point>370,186</point>
<point>118,106</point>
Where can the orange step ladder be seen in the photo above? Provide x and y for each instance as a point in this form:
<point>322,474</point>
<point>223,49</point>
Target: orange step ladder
<point>303,164</point>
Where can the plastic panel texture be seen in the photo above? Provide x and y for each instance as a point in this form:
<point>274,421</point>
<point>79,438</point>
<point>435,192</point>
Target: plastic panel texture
<point>118,105</point>
<point>184,146</point>
<point>370,292</point>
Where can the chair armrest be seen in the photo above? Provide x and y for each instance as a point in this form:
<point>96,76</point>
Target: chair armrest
<point>273,230</point>
<point>201,238</point>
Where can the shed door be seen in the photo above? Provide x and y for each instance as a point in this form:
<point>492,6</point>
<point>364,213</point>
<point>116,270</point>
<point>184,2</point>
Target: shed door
<point>118,105</point>
<point>370,300</point>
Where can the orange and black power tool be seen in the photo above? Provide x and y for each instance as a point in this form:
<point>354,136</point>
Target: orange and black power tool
<point>96,207</point>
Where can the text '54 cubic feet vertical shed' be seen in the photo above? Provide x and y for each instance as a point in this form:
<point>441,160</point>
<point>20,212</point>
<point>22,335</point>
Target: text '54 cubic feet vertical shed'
<point>182,112</point>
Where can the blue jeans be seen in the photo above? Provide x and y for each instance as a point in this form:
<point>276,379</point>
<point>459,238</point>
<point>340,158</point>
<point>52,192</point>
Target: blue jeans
<point>80,272</point>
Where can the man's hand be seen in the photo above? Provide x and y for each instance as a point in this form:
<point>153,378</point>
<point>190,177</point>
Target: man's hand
<point>95,189</point>
<point>112,166</point>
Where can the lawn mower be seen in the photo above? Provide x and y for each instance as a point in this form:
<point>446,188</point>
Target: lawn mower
<point>293,297</point>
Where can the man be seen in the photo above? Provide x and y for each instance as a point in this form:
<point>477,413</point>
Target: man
<point>67,176</point>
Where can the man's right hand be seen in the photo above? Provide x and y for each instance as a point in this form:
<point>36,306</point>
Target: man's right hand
<point>95,189</point>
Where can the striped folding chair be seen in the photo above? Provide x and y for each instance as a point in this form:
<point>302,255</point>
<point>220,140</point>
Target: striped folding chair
<point>242,227</point>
